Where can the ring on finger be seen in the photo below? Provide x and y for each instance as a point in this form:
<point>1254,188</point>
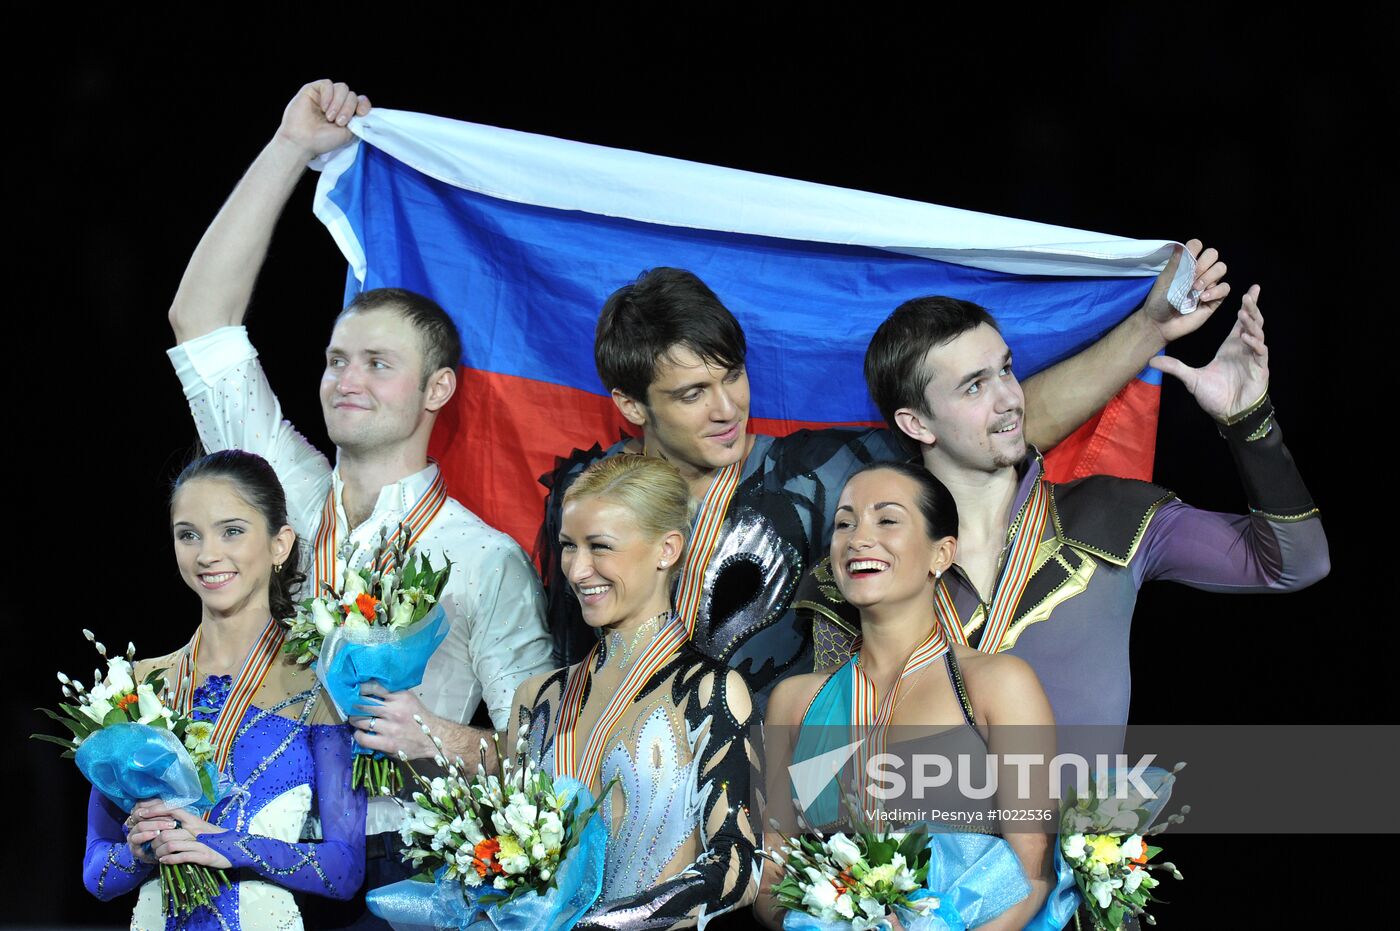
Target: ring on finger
<point>371,724</point>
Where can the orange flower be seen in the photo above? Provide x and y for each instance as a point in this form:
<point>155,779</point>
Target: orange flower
<point>366,603</point>
<point>126,701</point>
<point>485,851</point>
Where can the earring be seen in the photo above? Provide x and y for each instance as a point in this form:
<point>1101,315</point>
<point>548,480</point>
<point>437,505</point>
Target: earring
<point>661,565</point>
<point>277,568</point>
<point>937,574</point>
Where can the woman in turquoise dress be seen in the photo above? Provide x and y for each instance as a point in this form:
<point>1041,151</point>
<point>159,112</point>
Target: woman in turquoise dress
<point>895,535</point>
<point>285,755</point>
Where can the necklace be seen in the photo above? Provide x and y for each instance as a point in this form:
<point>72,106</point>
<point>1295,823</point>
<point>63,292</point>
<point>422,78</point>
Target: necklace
<point>625,650</point>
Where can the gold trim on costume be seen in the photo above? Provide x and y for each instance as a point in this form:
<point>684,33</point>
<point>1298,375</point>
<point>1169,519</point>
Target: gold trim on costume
<point>1114,558</point>
<point>1075,584</point>
<point>1236,418</point>
<point>1286,518</point>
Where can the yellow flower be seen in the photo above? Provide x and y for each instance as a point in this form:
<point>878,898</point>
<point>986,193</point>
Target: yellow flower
<point>510,847</point>
<point>1106,849</point>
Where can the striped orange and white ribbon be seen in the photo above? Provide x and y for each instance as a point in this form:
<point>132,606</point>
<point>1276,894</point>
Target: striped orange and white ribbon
<point>1028,528</point>
<point>870,716</point>
<point>585,766</point>
<point>414,524</point>
<point>250,678</point>
<point>703,540</point>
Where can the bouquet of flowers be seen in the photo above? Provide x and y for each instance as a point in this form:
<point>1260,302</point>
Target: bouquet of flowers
<point>380,626</point>
<point>521,846</point>
<point>132,746</point>
<point>853,881</point>
<point>1102,840</point>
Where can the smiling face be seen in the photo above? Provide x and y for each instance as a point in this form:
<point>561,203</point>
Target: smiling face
<point>696,413</point>
<point>974,410</point>
<point>372,391</point>
<point>223,548</point>
<point>619,575</point>
<point>881,553</point>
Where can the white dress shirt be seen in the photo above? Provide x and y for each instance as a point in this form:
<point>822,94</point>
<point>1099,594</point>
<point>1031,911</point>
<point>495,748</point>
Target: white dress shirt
<point>493,597</point>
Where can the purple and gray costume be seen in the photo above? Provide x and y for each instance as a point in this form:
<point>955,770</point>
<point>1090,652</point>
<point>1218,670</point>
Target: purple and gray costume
<point>1106,537</point>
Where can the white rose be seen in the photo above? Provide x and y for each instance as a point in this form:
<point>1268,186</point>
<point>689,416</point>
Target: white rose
<point>844,907</point>
<point>148,706</point>
<point>322,617</point>
<point>551,830</point>
<point>1073,847</point>
<point>98,706</point>
<point>1133,880</point>
<point>521,815</point>
<point>355,623</point>
<point>354,585</point>
<point>1102,891</point>
<point>119,678</point>
<point>820,895</point>
<point>401,614</point>
<point>1132,847</point>
<point>843,850</point>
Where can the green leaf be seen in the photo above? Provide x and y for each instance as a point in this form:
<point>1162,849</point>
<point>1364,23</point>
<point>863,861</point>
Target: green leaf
<point>115,716</point>
<point>77,728</point>
<point>51,739</point>
<point>913,845</point>
<point>880,852</point>
<point>79,719</point>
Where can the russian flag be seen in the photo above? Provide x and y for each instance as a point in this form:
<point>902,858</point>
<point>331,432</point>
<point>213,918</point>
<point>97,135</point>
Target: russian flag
<point>522,237</point>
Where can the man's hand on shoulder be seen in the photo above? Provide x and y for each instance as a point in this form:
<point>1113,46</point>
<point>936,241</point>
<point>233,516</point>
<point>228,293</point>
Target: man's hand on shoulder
<point>1238,376</point>
<point>1209,284</point>
<point>316,118</point>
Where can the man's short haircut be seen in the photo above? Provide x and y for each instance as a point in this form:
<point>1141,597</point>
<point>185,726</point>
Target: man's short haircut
<point>437,334</point>
<point>643,322</point>
<point>895,371</point>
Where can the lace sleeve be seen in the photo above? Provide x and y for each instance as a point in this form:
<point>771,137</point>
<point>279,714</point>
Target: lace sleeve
<point>722,877</point>
<point>109,869</point>
<point>334,867</point>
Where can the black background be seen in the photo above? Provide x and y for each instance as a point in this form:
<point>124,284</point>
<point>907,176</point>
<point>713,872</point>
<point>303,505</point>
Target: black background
<point>1260,135</point>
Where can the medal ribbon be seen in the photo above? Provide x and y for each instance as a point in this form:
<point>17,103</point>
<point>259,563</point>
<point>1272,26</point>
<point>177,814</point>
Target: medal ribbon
<point>703,541</point>
<point>869,716</point>
<point>415,523</point>
<point>250,678</point>
<point>1035,513</point>
<point>585,770</point>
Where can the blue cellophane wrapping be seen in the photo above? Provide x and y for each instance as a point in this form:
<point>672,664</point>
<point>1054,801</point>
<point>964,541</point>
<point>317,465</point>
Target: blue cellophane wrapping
<point>130,762</point>
<point>414,906</point>
<point>394,659</point>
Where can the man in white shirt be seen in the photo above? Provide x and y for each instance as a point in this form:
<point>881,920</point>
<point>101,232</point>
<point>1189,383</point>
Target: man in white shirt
<point>390,368</point>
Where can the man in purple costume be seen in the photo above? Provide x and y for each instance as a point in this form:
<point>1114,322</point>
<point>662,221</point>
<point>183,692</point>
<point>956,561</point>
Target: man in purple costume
<point>941,375</point>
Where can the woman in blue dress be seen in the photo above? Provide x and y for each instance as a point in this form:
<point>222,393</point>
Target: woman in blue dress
<point>895,535</point>
<point>284,758</point>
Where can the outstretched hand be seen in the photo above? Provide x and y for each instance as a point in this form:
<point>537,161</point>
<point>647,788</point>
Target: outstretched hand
<point>1209,284</point>
<point>316,117</point>
<point>1238,375</point>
